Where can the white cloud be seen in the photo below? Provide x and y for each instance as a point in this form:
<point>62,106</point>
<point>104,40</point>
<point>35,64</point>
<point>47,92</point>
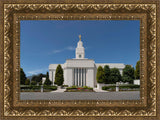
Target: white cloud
<point>57,51</point>
<point>37,71</point>
<point>70,48</point>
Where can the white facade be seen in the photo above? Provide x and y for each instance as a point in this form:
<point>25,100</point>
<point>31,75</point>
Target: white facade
<point>136,82</point>
<point>43,80</point>
<point>80,71</point>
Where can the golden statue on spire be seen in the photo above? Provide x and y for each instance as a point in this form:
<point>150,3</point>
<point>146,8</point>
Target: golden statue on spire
<point>79,37</point>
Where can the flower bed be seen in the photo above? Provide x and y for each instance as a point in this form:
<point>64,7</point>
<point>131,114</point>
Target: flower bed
<point>79,89</point>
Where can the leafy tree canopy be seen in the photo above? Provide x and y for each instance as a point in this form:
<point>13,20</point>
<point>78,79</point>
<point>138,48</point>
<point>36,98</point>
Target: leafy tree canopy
<point>107,73</point>
<point>115,75</point>
<point>33,83</point>
<point>59,79</point>
<point>137,71</point>
<point>22,77</point>
<point>100,75</point>
<point>27,82</point>
<point>47,81</point>
<point>128,74</point>
<point>38,78</point>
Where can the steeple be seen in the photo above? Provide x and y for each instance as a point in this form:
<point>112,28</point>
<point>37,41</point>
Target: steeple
<point>80,49</point>
<point>79,37</point>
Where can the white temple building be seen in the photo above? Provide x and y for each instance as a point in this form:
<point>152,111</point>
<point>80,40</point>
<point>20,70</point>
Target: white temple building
<point>80,71</point>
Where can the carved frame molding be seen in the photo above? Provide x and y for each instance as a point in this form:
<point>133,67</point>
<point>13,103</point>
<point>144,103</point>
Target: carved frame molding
<point>13,13</point>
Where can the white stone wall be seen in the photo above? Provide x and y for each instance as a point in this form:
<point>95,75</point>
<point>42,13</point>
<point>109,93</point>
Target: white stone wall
<point>91,70</point>
<point>121,71</point>
<point>68,80</point>
<point>50,75</point>
<point>136,82</point>
<point>90,78</point>
<point>43,80</point>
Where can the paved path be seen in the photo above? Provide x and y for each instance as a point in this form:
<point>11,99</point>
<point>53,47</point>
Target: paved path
<point>95,89</point>
<point>129,95</point>
<point>59,90</point>
<point>98,90</point>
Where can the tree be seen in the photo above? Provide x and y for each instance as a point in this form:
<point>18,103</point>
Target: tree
<point>100,75</point>
<point>27,82</point>
<point>59,79</point>
<point>107,73</point>
<point>128,74</point>
<point>115,75</point>
<point>22,77</point>
<point>38,78</point>
<point>137,71</point>
<point>34,80</point>
<point>33,83</point>
<point>47,81</point>
<point>40,83</point>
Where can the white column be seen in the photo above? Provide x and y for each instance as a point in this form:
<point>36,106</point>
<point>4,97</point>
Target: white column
<point>81,77</point>
<point>78,76</point>
<point>85,76</point>
<point>75,76</point>
<point>53,79</point>
<point>73,80</point>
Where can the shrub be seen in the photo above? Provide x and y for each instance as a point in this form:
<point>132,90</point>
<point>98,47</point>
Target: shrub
<point>47,81</point>
<point>35,87</point>
<point>74,86</point>
<point>137,71</point>
<point>86,87</point>
<point>128,74</point>
<point>50,87</point>
<point>33,82</point>
<point>108,87</point>
<point>115,75</point>
<point>59,79</point>
<point>107,73</point>
<point>130,86</point>
<point>100,76</point>
<point>120,87</point>
<point>27,82</point>
<point>64,85</point>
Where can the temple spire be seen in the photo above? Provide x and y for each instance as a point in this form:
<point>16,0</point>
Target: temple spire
<point>80,53</point>
<point>79,37</point>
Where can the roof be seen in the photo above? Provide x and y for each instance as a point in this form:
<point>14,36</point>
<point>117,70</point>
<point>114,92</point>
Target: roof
<point>111,65</point>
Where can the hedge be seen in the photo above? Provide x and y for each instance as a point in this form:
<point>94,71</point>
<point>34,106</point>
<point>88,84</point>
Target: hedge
<point>50,87</point>
<point>121,87</point>
<point>31,87</point>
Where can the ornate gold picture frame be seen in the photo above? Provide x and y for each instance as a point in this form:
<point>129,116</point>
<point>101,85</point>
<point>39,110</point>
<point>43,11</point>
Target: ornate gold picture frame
<point>12,11</point>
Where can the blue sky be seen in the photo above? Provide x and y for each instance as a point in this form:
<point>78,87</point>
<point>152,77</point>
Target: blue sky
<point>45,42</point>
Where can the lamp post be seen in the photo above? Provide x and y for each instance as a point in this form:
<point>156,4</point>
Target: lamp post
<point>43,80</point>
<point>117,86</point>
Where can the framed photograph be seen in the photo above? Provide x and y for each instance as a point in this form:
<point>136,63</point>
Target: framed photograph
<point>79,59</point>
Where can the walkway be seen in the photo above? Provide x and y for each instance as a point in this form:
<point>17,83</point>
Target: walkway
<point>98,90</point>
<point>129,95</point>
<point>59,90</point>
